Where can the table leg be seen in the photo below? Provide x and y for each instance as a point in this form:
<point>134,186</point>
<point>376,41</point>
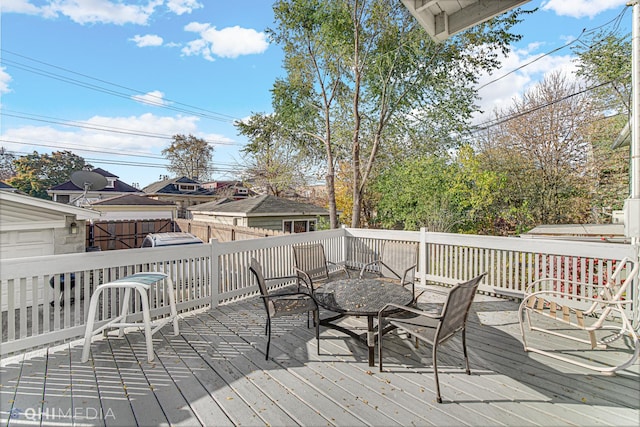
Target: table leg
<point>371,340</point>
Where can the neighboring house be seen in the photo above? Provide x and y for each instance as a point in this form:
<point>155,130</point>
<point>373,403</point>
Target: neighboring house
<point>232,189</point>
<point>265,211</point>
<point>183,192</point>
<point>612,233</point>
<point>134,207</point>
<point>7,187</point>
<point>30,226</point>
<point>68,192</point>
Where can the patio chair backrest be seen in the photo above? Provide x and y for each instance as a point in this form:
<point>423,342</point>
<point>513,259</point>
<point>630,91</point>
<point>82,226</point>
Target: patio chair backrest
<point>398,257</point>
<point>312,260</point>
<point>256,269</point>
<point>456,308</point>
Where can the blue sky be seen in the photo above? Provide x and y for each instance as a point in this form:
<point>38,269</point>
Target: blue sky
<point>112,81</point>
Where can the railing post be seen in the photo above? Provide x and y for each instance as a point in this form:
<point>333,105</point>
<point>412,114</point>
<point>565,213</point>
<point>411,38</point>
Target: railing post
<point>215,272</point>
<point>422,261</point>
<point>346,256</point>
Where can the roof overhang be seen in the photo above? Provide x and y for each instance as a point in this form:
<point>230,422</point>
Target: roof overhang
<point>80,213</point>
<point>444,18</point>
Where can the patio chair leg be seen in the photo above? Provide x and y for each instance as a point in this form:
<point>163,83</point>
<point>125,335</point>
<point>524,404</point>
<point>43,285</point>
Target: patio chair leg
<point>147,322</point>
<point>266,356</point>
<point>435,373</point>
<point>316,322</point>
<point>125,310</point>
<point>464,351</point>
<point>91,317</point>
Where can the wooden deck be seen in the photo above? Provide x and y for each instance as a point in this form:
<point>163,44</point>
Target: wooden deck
<point>214,373</point>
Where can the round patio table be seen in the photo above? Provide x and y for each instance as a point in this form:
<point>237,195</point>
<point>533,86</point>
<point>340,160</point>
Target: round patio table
<point>360,297</point>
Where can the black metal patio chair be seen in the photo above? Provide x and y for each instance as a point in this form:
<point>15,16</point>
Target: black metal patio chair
<point>312,267</point>
<point>436,328</point>
<point>284,302</point>
<point>397,263</point>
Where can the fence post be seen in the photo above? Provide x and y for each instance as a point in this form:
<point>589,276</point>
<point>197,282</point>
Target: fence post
<point>215,272</point>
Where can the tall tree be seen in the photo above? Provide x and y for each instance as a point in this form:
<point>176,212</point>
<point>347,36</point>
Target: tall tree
<point>367,66</point>
<point>549,128</point>
<point>604,62</point>
<point>189,156</point>
<point>272,163</point>
<point>35,173</point>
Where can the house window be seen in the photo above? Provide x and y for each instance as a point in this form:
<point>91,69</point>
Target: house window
<point>111,183</point>
<point>299,226</point>
<point>62,198</point>
<point>184,187</point>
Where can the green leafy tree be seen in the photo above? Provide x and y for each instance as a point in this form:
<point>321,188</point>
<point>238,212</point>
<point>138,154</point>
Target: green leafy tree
<point>362,76</point>
<point>189,156</point>
<point>605,62</point>
<point>35,173</point>
<point>420,192</point>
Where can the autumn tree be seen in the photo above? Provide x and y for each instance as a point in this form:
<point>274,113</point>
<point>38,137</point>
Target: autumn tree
<point>548,127</point>
<point>35,173</point>
<point>271,162</point>
<point>190,156</point>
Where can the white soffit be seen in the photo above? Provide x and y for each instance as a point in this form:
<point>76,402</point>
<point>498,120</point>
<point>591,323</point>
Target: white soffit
<point>444,18</point>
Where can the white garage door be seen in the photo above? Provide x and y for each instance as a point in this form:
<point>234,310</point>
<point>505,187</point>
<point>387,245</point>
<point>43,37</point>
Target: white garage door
<point>26,243</point>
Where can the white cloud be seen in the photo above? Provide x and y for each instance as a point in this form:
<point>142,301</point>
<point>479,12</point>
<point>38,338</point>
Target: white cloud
<point>107,142</point>
<point>581,8</point>
<point>152,98</point>
<point>147,40</point>
<point>19,6</point>
<point>104,143</point>
<point>87,11</point>
<point>229,42</point>
<point>5,78</point>
<point>180,7</point>
<point>499,93</point>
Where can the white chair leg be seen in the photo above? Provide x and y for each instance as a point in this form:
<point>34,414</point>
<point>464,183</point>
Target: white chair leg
<point>125,310</point>
<point>88,333</point>
<point>172,303</point>
<point>146,316</point>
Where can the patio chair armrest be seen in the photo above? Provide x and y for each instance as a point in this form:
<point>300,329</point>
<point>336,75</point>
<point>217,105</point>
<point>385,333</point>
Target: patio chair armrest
<point>569,297</point>
<point>406,272</point>
<point>288,295</point>
<point>364,267</point>
<point>340,267</point>
<point>304,276</point>
<point>407,309</point>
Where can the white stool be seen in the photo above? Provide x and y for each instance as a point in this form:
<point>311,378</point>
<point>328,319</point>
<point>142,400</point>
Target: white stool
<point>141,283</point>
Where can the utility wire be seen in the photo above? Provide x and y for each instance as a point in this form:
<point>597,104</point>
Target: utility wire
<point>192,109</point>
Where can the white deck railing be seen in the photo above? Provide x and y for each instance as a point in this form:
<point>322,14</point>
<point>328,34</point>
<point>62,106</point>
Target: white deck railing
<point>215,273</point>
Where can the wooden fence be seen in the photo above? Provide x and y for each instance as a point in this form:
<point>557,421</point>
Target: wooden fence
<point>224,233</point>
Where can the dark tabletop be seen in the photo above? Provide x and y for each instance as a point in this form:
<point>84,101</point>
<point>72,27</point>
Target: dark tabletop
<point>361,297</point>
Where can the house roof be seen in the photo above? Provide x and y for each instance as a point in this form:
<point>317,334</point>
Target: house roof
<point>131,200</point>
<point>49,205</point>
<point>588,232</point>
<point>118,186</point>
<point>7,187</point>
<point>265,205</point>
<point>169,186</point>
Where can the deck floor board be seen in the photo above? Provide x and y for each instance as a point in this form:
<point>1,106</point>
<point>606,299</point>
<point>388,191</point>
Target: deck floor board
<point>214,373</point>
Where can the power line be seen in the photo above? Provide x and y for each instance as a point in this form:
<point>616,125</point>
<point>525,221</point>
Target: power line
<point>159,101</point>
<point>103,128</point>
